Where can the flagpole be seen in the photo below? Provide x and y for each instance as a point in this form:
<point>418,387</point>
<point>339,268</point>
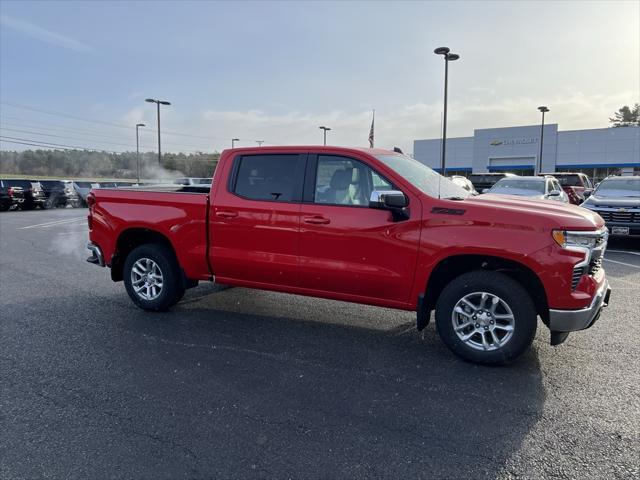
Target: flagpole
<point>372,131</point>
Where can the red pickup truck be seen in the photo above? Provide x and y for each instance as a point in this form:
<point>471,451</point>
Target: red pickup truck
<point>362,225</point>
<point>577,186</point>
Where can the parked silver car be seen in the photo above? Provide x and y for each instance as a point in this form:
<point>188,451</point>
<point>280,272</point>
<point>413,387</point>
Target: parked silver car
<point>547,188</point>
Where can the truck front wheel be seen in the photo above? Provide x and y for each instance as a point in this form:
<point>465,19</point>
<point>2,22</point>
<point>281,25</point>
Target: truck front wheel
<point>152,277</point>
<point>486,317</point>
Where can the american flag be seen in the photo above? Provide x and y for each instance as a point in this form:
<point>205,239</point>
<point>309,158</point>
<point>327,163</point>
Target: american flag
<point>371,131</point>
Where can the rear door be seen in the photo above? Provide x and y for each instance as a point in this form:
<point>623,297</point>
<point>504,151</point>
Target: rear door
<point>254,219</point>
<point>346,247</point>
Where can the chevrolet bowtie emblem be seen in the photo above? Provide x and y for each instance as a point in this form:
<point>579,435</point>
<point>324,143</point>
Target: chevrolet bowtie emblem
<point>622,209</point>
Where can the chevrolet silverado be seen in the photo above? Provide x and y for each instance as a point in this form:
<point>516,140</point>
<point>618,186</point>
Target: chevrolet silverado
<point>362,225</point>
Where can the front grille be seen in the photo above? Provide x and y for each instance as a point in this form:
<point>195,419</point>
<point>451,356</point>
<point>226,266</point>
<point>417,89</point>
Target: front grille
<point>614,215</point>
<point>577,275</point>
<point>596,262</point>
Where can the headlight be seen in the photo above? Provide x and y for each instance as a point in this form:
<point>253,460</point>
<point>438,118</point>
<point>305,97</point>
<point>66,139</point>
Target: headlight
<point>576,239</point>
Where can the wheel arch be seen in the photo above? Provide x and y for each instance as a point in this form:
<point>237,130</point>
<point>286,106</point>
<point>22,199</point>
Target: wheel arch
<point>131,238</point>
<point>454,266</point>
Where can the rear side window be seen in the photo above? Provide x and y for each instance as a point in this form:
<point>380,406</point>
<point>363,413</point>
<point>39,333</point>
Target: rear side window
<point>269,177</point>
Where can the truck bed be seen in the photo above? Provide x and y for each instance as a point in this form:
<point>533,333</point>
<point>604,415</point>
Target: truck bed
<point>177,212</point>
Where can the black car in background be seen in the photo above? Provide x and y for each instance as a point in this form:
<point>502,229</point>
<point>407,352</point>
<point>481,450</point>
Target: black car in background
<point>10,195</point>
<point>32,191</point>
<point>54,192</point>
<point>617,201</point>
<point>484,181</point>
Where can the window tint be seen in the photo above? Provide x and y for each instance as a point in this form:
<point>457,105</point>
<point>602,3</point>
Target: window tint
<point>83,184</point>
<point>343,181</point>
<point>267,177</point>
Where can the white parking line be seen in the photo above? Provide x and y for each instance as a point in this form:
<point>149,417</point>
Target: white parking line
<point>623,251</point>
<point>52,224</point>
<point>621,263</point>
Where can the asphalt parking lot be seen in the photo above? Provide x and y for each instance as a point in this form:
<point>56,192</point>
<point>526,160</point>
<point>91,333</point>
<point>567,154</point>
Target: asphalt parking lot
<point>236,383</point>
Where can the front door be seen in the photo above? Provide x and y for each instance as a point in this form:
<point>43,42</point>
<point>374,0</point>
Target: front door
<point>347,247</point>
<point>254,220</point>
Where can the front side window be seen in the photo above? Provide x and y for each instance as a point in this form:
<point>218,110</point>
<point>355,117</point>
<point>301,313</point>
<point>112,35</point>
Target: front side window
<point>267,177</point>
<point>344,181</point>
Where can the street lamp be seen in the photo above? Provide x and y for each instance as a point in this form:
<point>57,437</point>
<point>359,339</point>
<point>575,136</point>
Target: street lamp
<point>543,110</point>
<point>233,142</point>
<point>138,150</point>
<point>158,103</point>
<point>325,129</point>
<point>448,57</point>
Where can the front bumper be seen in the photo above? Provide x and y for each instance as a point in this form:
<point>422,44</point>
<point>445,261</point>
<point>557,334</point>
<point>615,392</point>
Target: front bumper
<point>573,320</point>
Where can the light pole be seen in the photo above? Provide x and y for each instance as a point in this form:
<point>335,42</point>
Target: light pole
<point>538,169</point>
<point>259,142</point>
<point>325,129</point>
<point>233,142</point>
<point>138,149</point>
<point>448,57</point>
<point>158,103</point>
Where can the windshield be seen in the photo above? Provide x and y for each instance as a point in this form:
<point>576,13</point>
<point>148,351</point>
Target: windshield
<point>619,188</point>
<point>422,177</point>
<point>518,187</point>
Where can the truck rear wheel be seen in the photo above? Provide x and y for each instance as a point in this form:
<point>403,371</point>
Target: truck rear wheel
<point>486,317</point>
<point>152,277</point>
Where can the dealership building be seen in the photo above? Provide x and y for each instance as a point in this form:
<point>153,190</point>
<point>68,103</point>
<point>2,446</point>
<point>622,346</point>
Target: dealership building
<point>597,152</point>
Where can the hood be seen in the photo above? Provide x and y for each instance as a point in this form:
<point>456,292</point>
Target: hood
<point>534,212</point>
<point>597,201</point>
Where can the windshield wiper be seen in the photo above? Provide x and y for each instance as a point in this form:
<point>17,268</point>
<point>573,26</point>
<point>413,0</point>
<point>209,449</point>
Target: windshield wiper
<point>455,198</point>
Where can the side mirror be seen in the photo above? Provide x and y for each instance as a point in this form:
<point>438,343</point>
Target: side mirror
<point>485,190</point>
<point>555,193</point>
<point>392,200</point>
<point>587,194</point>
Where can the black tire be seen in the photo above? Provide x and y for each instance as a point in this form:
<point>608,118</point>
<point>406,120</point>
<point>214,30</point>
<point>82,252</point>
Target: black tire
<point>508,290</point>
<point>172,285</point>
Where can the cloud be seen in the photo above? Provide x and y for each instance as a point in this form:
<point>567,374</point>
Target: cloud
<point>211,130</point>
<point>47,36</point>
<point>402,125</point>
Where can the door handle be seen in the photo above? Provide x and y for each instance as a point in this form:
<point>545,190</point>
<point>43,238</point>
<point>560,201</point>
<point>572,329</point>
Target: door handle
<point>318,220</point>
<point>226,214</point>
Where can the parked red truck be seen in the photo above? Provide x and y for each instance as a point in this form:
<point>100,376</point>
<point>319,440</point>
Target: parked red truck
<point>362,225</point>
<point>577,186</point>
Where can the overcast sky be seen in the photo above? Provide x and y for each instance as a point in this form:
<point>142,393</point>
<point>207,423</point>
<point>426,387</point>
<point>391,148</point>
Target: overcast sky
<point>275,71</point>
